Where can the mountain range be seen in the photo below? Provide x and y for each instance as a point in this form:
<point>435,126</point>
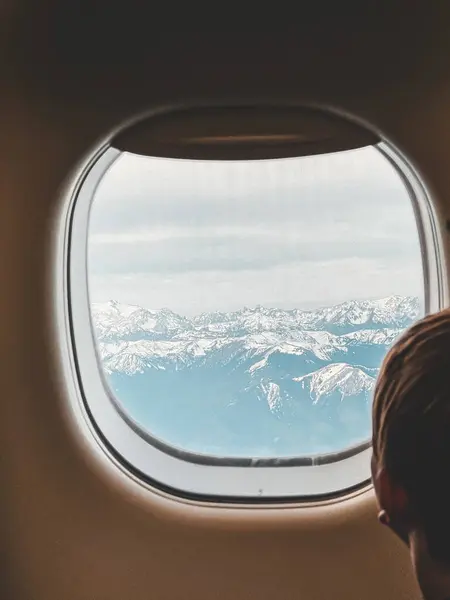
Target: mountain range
<point>253,382</point>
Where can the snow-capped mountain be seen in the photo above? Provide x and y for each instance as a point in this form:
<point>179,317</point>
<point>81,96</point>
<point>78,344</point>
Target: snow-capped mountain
<point>115,320</point>
<point>254,381</point>
<point>389,312</point>
<point>341,379</point>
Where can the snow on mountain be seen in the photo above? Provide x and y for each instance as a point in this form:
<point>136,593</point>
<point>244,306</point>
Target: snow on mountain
<point>207,319</point>
<point>115,320</point>
<point>132,339</point>
<point>146,354</point>
<point>258,365</point>
<point>272,396</point>
<point>129,363</point>
<point>384,337</point>
<point>340,378</point>
<point>324,338</point>
<point>261,381</point>
<point>396,307</point>
<point>137,356</point>
<point>392,311</point>
<point>185,352</point>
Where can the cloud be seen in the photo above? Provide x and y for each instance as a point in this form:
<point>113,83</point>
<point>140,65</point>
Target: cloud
<point>206,235</point>
<point>139,193</point>
<point>307,285</point>
<point>237,253</point>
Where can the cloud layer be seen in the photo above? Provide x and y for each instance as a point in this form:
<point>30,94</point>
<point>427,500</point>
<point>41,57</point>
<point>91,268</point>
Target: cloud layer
<point>200,236</point>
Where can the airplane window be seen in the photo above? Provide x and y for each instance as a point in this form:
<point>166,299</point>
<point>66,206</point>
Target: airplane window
<point>230,297</point>
<point>242,309</point>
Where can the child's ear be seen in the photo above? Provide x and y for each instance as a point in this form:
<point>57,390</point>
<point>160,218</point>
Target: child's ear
<point>391,496</point>
<point>394,506</point>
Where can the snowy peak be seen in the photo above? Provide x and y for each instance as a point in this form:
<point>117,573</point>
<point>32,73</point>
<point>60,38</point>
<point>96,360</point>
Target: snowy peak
<point>392,311</point>
<point>115,320</point>
<point>339,378</point>
<point>271,393</point>
<point>371,336</point>
<point>261,381</point>
<point>131,337</point>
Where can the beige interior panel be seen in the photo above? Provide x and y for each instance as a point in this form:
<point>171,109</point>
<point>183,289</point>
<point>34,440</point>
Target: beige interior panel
<point>74,526</point>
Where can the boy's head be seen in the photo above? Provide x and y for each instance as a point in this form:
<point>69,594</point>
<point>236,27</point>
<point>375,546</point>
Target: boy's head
<point>411,437</point>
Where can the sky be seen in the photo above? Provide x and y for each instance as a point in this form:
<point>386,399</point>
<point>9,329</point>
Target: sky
<point>197,236</point>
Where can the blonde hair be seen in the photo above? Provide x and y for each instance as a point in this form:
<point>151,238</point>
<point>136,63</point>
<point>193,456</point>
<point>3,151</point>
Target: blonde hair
<point>411,424</point>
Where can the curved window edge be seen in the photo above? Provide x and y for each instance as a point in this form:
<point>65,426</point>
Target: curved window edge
<point>182,473</point>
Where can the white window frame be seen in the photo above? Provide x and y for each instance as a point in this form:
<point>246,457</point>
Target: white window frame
<point>180,472</point>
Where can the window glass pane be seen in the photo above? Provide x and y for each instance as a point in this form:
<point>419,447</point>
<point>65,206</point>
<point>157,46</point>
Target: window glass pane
<point>244,308</point>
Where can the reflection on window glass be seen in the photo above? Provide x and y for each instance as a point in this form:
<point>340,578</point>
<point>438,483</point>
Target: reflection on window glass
<point>244,308</point>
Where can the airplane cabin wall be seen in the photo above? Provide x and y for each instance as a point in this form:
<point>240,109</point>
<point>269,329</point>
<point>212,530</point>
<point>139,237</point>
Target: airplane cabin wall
<point>74,527</point>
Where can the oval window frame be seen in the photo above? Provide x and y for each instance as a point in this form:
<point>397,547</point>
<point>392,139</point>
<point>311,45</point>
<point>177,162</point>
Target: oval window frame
<point>182,473</point>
